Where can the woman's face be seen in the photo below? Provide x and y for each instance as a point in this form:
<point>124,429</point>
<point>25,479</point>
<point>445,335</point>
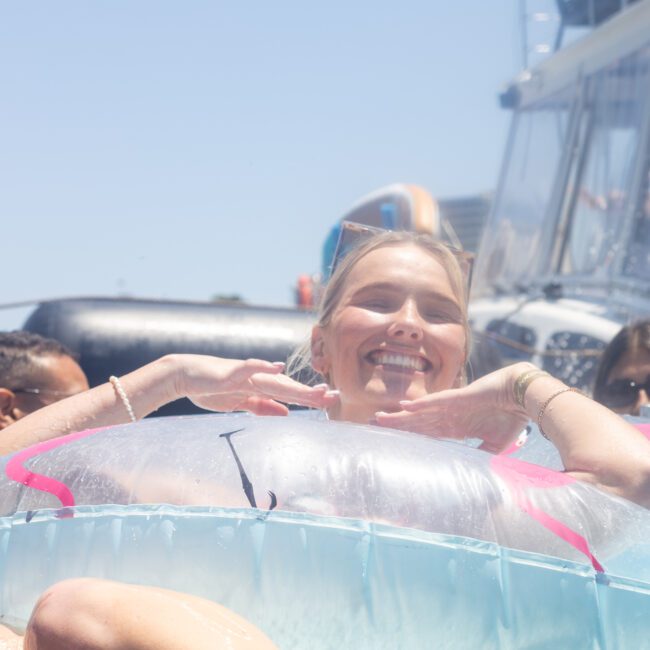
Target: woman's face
<point>397,333</point>
<point>628,382</point>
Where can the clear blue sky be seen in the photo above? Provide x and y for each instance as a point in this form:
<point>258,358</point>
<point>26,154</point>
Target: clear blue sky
<point>184,149</point>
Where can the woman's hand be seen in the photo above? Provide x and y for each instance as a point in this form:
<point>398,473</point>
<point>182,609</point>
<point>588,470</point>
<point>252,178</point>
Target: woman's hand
<point>485,409</point>
<point>252,385</point>
<point>210,382</point>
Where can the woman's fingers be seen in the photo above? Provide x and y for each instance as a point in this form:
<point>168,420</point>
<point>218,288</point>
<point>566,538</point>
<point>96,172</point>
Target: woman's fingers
<point>264,378</point>
<point>257,365</point>
<point>287,390</point>
<point>496,429</point>
<point>445,399</point>
<point>264,406</point>
<point>437,415</point>
<point>243,371</point>
<point>254,385</point>
<point>431,424</point>
<point>402,419</point>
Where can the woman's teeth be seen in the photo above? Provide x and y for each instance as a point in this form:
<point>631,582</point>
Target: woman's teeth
<point>400,360</point>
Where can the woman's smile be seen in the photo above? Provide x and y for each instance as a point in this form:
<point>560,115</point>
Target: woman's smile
<point>397,333</point>
<point>398,361</point>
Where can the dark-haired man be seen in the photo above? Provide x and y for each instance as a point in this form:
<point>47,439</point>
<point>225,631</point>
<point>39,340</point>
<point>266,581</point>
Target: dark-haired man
<point>34,372</point>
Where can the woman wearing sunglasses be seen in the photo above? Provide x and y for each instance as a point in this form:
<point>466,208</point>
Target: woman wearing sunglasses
<point>623,379</point>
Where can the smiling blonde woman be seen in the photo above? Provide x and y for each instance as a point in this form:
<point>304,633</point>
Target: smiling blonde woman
<point>391,341</point>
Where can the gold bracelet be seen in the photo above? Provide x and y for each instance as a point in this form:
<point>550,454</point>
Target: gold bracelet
<point>523,381</point>
<point>542,408</point>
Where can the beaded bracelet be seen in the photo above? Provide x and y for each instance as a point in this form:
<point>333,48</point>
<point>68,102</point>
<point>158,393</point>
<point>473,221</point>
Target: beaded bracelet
<point>542,408</point>
<point>123,396</point>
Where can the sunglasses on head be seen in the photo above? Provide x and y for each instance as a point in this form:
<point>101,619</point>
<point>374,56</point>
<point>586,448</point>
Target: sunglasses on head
<point>353,234</point>
<point>623,392</point>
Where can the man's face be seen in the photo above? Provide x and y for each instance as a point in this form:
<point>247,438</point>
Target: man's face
<point>56,377</point>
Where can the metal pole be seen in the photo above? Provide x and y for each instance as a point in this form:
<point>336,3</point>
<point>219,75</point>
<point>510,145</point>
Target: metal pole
<point>523,18</point>
<point>592,13</point>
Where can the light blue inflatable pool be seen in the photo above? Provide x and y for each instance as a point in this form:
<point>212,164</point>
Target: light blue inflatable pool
<point>361,538</point>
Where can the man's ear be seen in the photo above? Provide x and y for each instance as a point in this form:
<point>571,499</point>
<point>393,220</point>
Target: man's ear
<point>318,356</point>
<point>7,401</point>
<point>7,406</point>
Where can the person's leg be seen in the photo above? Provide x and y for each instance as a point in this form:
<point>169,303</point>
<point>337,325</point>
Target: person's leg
<point>89,614</point>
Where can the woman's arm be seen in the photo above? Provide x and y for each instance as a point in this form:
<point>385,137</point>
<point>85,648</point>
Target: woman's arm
<point>595,444</point>
<point>210,382</point>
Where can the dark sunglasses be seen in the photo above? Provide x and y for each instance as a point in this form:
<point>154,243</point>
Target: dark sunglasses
<point>623,392</point>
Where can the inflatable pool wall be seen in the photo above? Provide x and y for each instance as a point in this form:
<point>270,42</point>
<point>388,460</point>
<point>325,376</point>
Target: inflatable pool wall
<point>330,535</point>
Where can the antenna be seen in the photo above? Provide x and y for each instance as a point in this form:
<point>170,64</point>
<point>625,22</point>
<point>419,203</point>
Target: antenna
<point>541,30</point>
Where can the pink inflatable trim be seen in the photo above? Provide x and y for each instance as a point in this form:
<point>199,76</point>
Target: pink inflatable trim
<point>17,472</point>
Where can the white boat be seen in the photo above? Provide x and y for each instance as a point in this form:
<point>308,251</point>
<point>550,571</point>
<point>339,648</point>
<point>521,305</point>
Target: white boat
<point>565,257</point>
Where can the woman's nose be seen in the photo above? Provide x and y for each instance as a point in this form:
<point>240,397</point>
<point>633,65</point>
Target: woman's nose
<point>407,324</point>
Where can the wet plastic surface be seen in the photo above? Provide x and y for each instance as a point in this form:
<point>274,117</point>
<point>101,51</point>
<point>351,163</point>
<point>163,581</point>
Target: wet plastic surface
<point>331,535</point>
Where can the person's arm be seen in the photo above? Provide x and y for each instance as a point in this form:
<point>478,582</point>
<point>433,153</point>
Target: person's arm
<point>595,444</point>
<point>210,382</point>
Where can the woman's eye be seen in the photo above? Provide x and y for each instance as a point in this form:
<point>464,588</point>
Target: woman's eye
<point>377,305</point>
<point>437,316</point>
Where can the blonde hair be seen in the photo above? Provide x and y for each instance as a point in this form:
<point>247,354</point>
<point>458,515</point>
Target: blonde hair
<point>299,361</point>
